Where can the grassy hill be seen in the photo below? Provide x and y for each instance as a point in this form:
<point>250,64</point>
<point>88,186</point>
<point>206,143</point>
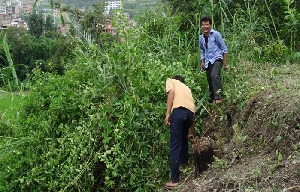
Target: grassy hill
<point>261,146</point>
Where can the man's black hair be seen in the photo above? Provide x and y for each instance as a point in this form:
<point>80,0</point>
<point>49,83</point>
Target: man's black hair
<point>206,18</point>
<point>179,78</point>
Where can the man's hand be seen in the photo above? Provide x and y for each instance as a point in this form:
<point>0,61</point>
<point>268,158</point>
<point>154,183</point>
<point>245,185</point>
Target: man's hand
<point>167,120</point>
<point>225,67</point>
<point>171,95</point>
<point>202,66</point>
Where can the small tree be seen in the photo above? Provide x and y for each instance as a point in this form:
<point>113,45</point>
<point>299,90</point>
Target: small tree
<point>36,24</point>
<point>93,20</point>
<point>20,45</point>
<point>49,25</point>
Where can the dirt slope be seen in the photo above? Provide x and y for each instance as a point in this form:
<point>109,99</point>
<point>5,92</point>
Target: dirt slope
<point>260,149</point>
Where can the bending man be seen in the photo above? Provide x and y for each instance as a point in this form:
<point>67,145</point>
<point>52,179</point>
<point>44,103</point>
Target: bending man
<point>181,103</point>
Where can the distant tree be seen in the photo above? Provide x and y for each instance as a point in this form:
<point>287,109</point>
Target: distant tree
<point>42,48</point>
<point>29,52</point>
<point>35,24</point>
<point>72,30</point>
<point>20,45</point>
<point>81,3</point>
<point>93,20</point>
<point>63,53</point>
<point>49,25</point>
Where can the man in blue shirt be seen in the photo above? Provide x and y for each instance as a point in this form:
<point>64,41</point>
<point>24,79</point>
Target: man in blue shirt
<point>213,56</point>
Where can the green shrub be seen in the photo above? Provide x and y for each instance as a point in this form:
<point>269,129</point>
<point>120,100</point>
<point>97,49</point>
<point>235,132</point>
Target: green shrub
<point>100,125</point>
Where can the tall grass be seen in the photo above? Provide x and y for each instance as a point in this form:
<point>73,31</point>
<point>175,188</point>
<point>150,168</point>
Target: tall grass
<point>10,104</point>
<point>80,124</point>
<point>9,60</point>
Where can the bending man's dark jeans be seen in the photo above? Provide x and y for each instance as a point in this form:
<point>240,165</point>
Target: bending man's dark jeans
<point>181,120</point>
<point>213,75</point>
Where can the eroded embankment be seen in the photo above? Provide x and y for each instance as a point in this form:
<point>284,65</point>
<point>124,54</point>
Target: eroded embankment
<point>260,149</point>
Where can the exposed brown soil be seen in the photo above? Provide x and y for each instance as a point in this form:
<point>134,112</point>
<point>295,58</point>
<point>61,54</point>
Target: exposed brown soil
<point>256,148</point>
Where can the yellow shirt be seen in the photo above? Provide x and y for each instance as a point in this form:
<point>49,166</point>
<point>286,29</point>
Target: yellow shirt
<point>183,95</point>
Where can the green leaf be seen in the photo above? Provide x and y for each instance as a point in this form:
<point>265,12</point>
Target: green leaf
<point>34,5</point>
<point>279,158</point>
<point>62,19</point>
<point>8,56</point>
<point>51,4</point>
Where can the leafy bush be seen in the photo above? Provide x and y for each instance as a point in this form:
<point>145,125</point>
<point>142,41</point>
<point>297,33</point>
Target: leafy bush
<point>98,126</point>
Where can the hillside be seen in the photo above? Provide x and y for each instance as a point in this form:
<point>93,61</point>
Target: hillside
<point>133,7</point>
<point>93,115</point>
<point>79,3</point>
<point>130,6</point>
<point>261,149</point>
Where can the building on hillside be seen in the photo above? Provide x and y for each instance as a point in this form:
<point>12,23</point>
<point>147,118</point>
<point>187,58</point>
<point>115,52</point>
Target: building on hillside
<point>13,2</point>
<point>27,9</point>
<point>23,24</point>
<point>19,23</point>
<point>63,27</point>
<point>5,25</point>
<point>2,10</point>
<point>14,24</point>
<point>112,5</point>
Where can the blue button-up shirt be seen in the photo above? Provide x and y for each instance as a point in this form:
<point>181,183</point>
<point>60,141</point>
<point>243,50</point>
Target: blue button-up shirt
<point>215,49</point>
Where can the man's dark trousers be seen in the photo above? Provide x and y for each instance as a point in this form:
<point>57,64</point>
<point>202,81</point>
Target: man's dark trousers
<point>213,75</point>
<point>181,120</point>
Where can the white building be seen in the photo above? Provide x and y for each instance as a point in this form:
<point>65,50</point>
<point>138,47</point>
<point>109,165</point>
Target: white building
<point>112,5</point>
<point>3,10</point>
<point>14,2</point>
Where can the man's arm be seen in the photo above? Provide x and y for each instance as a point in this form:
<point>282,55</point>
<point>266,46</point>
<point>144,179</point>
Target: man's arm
<point>170,99</point>
<point>202,66</point>
<point>202,54</point>
<point>225,61</point>
<point>221,44</point>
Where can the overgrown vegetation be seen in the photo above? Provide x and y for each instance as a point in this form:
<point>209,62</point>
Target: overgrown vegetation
<point>261,146</point>
<point>28,52</point>
<point>99,125</point>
